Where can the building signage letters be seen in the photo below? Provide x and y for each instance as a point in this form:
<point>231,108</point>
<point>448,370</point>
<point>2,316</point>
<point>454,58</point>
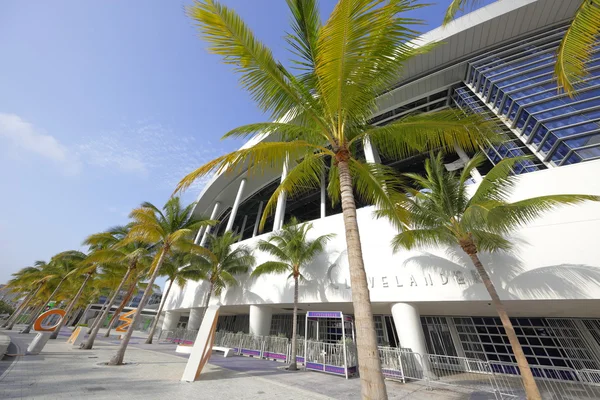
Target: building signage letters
<point>422,279</point>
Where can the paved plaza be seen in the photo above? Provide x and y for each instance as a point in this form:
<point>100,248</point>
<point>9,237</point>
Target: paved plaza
<point>154,372</point>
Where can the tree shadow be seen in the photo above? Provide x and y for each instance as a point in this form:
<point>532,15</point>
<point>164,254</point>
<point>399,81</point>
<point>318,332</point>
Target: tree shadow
<point>511,279</point>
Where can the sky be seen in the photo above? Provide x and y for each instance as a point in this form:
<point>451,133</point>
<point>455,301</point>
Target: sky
<point>104,105</point>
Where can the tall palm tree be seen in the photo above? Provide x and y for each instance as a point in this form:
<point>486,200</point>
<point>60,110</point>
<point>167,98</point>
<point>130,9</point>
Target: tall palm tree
<point>322,114</point>
<point>576,47</point>
<point>293,251</point>
<point>134,256</point>
<point>179,268</point>
<point>444,215</point>
<point>85,270</point>
<point>221,262</point>
<point>171,229</point>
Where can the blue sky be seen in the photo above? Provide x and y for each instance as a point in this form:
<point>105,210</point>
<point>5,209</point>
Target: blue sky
<point>107,104</point>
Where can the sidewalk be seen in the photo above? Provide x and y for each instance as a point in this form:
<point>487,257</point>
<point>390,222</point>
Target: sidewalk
<point>64,372</point>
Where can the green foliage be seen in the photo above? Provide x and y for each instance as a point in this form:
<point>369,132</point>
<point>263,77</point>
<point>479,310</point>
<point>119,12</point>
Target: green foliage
<point>291,248</point>
<point>6,308</point>
<point>441,213</point>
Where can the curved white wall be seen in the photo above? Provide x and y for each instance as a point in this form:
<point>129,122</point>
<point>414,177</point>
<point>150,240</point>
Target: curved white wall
<point>559,258</point>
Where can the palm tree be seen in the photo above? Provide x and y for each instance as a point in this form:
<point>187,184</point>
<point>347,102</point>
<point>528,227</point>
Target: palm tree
<point>171,229</point>
<point>134,256</point>
<point>293,251</point>
<point>85,270</point>
<point>442,214</point>
<point>323,114</point>
<point>221,262</point>
<point>60,268</point>
<point>179,268</point>
<point>29,277</point>
<point>576,47</point>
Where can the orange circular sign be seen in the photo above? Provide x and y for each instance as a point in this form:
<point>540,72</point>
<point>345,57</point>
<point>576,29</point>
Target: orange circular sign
<point>38,322</point>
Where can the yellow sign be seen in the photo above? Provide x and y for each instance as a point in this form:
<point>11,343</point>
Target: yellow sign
<point>126,318</point>
<point>37,326</point>
<point>74,335</point>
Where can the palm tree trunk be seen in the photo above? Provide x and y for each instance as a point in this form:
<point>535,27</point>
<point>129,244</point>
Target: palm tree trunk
<point>206,302</point>
<point>531,389</point>
<point>25,304</point>
<point>162,304</point>
<point>34,316</point>
<point>19,309</point>
<point>96,320</point>
<point>293,366</point>
<point>90,341</point>
<point>120,308</point>
<point>369,365</point>
<point>73,318</point>
<point>70,306</point>
<point>117,359</point>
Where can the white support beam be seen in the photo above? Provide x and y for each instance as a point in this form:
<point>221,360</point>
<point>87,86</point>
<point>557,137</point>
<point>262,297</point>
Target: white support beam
<point>236,205</point>
<point>213,215</point>
<point>323,193</point>
<point>241,233</point>
<point>258,216</point>
<point>280,209</point>
<point>371,153</point>
<point>465,158</point>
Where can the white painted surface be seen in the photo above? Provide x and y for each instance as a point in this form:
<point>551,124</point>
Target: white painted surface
<point>193,367</point>
<point>170,320</point>
<point>195,319</point>
<point>37,344</point>
<point>558,258</point>
<point>260,320</point>
<point>408,327</point>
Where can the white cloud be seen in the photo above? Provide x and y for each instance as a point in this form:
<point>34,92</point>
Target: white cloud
<point>26,137</point>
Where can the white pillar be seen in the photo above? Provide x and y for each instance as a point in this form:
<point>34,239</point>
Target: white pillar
<point>260,320</point>
<point>280,209</point>
<point>408,327</point>
<point>170,321</point>
<point>236,205</point>
<point>194,321</point>
<point>243,227</point>
<point>407,321</point>
<point>323,193</point>
<point>371,153</point>
<point>199,235</point>
<point>213,215</point>
<point>465,158</point>
<point>258,215</point>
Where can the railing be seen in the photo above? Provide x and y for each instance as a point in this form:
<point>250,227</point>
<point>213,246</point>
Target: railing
<point>335,358</point>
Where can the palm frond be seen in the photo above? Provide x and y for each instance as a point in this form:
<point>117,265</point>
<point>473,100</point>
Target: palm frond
<point>258,158</point>
<point>457,6</point>
<point>264,77</point>
<point>270,267</point>
<point>409,239</point>
<point>577,46</point>
<point>439,129</point>
<point>499,182</point>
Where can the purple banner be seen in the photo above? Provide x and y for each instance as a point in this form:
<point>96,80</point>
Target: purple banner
<point>324,314</point>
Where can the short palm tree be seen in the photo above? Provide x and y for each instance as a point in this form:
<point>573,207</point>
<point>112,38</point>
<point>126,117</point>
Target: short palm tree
<point>179,268</point>
<point>171,229</point>
<point>85,270</point>
<point>221,262</point>
<point>293,251</point>
<point>323,111</point>
<point>130,258</point>
<point>576,47</point>
<point>442,214</point>
<point>28,280</point>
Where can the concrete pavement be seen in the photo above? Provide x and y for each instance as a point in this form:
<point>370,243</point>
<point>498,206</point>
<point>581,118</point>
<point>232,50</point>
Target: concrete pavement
<point>154,372</point>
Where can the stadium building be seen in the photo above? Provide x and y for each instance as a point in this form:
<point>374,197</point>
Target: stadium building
<point>497,61</point>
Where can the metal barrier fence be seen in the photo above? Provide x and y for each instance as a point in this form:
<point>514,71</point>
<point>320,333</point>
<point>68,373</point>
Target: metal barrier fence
<point>335,358</point>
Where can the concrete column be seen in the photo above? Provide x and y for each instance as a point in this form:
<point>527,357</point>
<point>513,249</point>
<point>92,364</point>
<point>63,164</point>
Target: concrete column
<point>170,320</point>
<point>258,216</point>
<point>236,205</point>
<point>323,193</point>
<point>241,233</point>
<point>260,320</point>
<point>371,153</point>
<point>199,234</point>
<point>465,158</point>
<point>195,319</point>
<point>213,215</point>
<point>407,321</point>
<point>280,209</point>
